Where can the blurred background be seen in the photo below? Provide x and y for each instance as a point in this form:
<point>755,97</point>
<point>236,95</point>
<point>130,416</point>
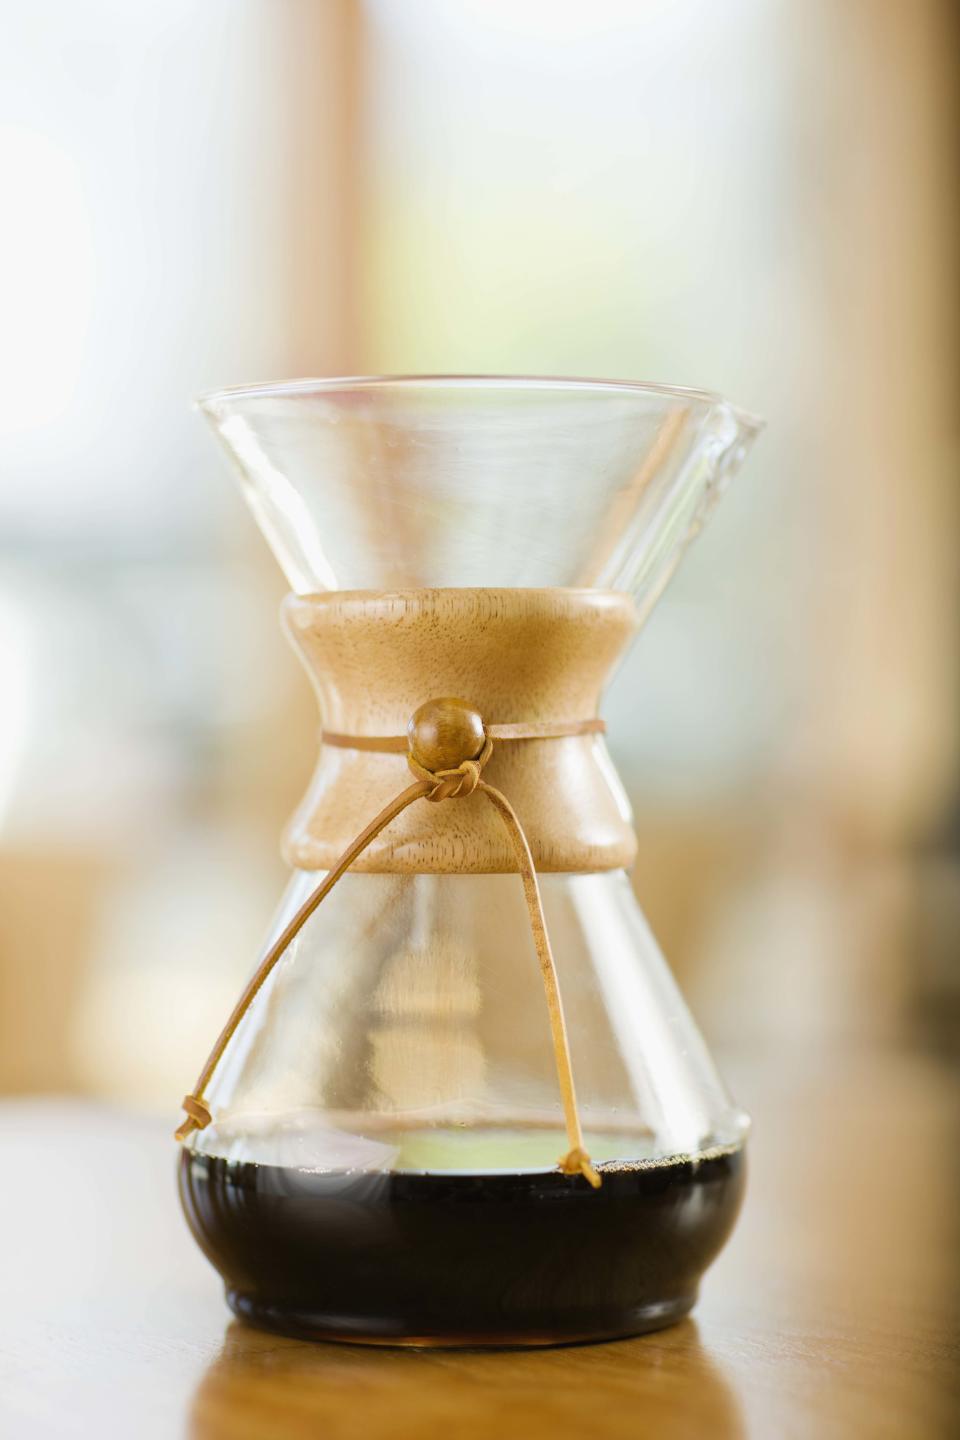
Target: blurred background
<point>756,197</point>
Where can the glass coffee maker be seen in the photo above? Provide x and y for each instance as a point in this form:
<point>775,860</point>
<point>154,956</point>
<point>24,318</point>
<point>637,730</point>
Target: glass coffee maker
<point>461,1100</point>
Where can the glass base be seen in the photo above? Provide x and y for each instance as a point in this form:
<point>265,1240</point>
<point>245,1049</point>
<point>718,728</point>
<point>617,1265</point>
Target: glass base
<point>583,1329</point>
<point>496,1258</point>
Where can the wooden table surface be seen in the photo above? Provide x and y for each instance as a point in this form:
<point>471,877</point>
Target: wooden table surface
<point>830,1314</point>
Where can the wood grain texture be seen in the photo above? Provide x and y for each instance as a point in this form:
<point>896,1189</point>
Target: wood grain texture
<point>516,656</point>
<point>831,1313</point>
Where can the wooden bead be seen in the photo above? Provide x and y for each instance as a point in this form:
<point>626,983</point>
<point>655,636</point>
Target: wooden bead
<point>444,733</point>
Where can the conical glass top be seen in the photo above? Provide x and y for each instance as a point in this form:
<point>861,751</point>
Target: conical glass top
<point>454,481</point>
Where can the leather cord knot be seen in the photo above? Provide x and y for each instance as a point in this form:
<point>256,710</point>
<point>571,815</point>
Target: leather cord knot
<point>197,1113</point>
<point>457,782</point>
<point>577,1162</point>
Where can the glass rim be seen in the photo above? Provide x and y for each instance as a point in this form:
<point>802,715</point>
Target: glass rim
<point>331,385</point>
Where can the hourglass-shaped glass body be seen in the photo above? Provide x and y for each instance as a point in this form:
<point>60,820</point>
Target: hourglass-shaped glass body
<point>381,1157</point>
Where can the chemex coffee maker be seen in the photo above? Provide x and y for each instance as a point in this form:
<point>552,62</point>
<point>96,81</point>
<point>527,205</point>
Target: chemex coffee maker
<point>461,1100</point>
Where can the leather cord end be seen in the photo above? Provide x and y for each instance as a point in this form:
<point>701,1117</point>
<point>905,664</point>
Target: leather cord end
<point>198,1117</point>
<point>577,1162</point>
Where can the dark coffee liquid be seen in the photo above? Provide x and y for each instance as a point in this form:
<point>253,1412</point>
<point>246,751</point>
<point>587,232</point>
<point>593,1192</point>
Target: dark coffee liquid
<point>528,1258</point>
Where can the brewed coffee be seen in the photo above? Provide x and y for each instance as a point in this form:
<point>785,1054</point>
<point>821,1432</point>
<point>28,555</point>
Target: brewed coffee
<point>405,1257</point>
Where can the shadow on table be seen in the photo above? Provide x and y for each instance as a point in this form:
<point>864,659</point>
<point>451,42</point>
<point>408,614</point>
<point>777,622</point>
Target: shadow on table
<point>665,1384</point>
